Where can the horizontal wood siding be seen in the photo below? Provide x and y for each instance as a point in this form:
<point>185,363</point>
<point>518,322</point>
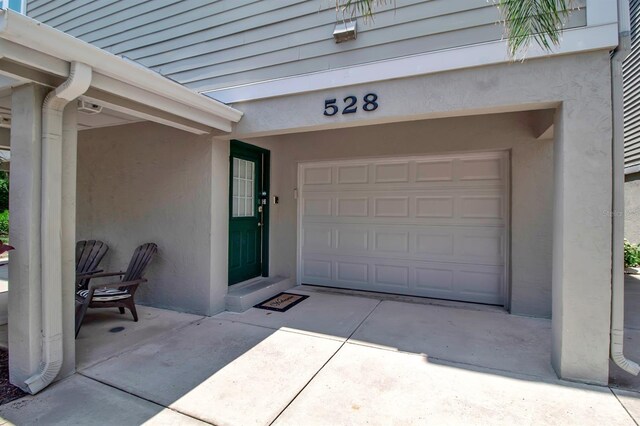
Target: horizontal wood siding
<point>209,44</point>
<point>631,77</point>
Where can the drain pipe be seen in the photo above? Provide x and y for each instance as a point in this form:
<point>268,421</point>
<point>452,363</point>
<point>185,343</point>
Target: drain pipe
<point>617,221</point>
<point>51,221</point>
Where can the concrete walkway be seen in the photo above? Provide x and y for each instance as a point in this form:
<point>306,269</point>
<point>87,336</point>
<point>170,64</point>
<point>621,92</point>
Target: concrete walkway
<point>333,359</point>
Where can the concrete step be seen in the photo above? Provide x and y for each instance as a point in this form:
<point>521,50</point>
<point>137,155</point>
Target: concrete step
<point>245,295</point>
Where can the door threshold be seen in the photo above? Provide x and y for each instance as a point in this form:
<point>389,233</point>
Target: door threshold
<point>246,283</point>
<point>246,294</point>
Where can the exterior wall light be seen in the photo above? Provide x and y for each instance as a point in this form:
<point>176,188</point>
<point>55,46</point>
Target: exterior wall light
<point>88,107</point>
<point>345,31</point>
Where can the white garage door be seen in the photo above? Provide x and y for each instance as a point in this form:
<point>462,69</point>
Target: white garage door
<point>433,226</point>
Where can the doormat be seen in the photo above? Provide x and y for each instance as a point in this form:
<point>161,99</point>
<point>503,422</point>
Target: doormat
<point>281,302</point>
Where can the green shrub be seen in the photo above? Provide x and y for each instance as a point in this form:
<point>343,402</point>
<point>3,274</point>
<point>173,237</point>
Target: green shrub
<point>631,254</point>
<point>4,191</point>
<point>4,223</point>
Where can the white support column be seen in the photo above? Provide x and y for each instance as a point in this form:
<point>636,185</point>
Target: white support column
<point>24,233</point>
<point>69,170</point>
<point>581,280</point>
<point>220,152</point>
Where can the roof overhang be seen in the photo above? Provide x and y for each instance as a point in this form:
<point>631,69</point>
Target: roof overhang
<point>32,51</point>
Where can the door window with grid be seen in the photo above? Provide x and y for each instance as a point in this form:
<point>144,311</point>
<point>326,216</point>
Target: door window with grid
<point>243,188</point>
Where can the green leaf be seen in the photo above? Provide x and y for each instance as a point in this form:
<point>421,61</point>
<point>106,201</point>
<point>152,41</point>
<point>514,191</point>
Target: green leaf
<point>525,21</point>
<point>539,21</point>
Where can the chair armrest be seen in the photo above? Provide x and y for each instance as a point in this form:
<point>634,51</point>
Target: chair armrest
<point>89,274</point>
<point>94,286</point>
<point>107,274</point>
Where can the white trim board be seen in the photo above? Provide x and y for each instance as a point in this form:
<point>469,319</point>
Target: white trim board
<point>574,41</point>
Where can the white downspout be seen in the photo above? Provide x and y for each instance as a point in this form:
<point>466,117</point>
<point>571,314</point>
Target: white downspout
<point>617,251</point>
<point>51,223</point>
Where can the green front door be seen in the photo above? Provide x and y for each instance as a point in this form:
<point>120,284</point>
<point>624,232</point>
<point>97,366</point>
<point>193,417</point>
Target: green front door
<point>247,212</point>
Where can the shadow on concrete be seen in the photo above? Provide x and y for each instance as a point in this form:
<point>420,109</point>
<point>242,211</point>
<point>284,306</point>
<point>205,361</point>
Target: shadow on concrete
<point>332,359</point>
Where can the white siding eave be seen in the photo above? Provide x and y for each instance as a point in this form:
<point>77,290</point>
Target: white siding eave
<point>574,41</point>
<point>210,45</point>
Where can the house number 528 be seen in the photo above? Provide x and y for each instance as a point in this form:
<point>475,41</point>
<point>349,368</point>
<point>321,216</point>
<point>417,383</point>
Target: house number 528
<point>370,103</point>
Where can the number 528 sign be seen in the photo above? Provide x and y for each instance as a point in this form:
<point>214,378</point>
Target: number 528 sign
<point>350,105</point>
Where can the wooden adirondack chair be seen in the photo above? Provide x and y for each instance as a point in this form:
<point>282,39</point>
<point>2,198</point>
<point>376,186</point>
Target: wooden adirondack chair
<point>119,294</point>
<point>89,254</point>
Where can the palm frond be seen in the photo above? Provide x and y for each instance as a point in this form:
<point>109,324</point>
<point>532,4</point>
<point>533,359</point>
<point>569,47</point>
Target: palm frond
<point>362,8</point>
<point>539,21</point>
<point>525,21</point>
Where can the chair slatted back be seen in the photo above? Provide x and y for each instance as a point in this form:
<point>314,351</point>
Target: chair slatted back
<point>139,261</point>
<point>89,254</point>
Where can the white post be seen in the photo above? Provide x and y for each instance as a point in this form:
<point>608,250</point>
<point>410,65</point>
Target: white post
<point>24,233</point>
<point>69,170</point>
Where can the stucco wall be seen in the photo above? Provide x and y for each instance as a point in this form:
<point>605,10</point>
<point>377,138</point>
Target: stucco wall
<point>577,85</point>
<point>532,185</point>
<point>632,208</point>
<point>146,182</point>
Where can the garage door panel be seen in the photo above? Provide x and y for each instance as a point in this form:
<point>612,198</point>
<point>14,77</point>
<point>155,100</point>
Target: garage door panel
<point>350,240</point>
<point>352,272</point>
<point>478,245</point>
<point>317,175</point>
<point>317,207</point>
<point>438,169</point>
<point>416,207</point>
<point>390,241</point>
<point>385,206</point>
<point>482,284</point>
<point>436,243</point>
<point>393,275</point>
<point>483,246</point>
<point>352,207</point>
<point>414,185</point>
<point>480,169</point>
<point>474,283</point>
<point>481,207</point>
<point>391,172</point>
<point>430,279</point>
<point>427,226</point>
<point>317,270</point>
<point>400,221</point>
<point>317,238</point>
<point>435,206</point>
<point>434,171</point>
<point>443,187</point>
<point>352,174</point>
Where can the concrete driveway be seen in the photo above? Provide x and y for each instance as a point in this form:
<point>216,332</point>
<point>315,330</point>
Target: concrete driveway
<point>333,359</point>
